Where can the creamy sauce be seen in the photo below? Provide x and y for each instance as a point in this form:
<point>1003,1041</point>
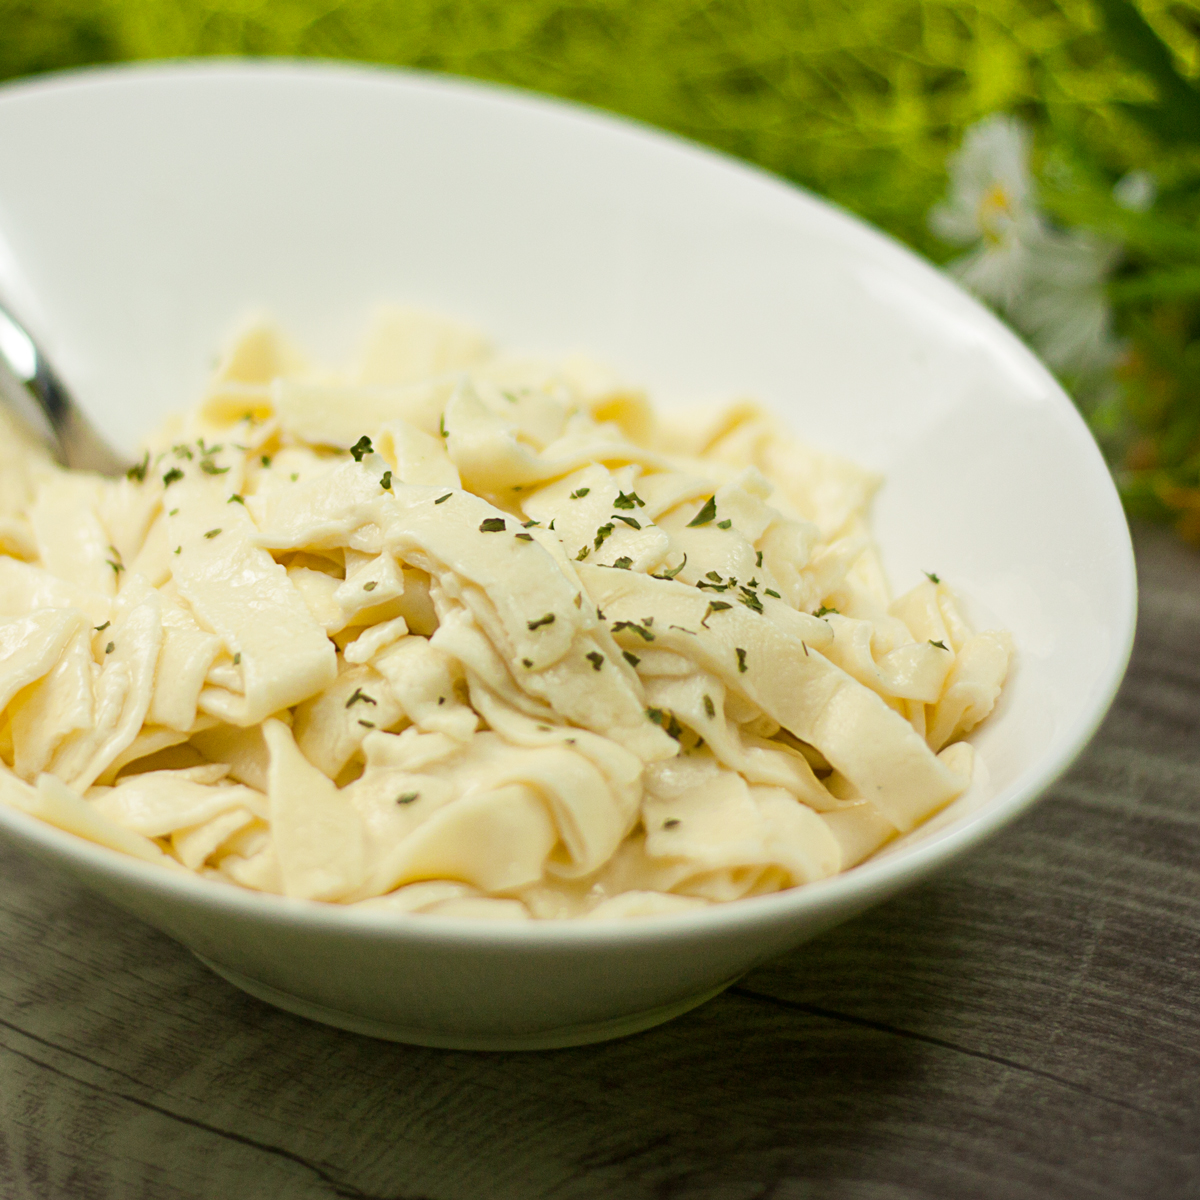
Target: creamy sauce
<point>453,632</point>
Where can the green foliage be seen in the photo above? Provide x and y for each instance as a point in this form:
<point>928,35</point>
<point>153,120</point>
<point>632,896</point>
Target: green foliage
<point>859,99</point>
<point>35,36</point>
<point>1150,425</point>
<point>1175,116</point>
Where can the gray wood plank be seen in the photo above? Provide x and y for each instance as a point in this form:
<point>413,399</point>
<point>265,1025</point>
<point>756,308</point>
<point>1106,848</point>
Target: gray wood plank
<point>1027,1025</point>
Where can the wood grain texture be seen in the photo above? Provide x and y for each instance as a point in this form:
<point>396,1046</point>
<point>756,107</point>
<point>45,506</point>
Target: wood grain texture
<point>1027,1025</point>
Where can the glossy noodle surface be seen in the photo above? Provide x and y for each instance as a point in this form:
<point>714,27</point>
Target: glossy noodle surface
<point>455,632</point>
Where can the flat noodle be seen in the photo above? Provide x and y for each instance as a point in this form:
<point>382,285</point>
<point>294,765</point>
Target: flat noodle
<point>465,635</point>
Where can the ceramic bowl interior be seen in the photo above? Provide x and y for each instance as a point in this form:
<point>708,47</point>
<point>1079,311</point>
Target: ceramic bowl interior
<point>144,211</point>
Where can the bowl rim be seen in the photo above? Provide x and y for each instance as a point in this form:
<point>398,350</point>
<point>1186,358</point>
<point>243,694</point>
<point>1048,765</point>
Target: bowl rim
<point>850,891</point>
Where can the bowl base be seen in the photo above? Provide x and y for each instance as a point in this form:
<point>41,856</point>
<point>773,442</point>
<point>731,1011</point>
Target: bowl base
<point>542,1039</point>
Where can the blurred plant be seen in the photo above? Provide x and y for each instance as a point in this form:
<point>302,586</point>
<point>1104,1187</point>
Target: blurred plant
<point>1101,275</point>
<point>861,100</point>
<point>857,99</point>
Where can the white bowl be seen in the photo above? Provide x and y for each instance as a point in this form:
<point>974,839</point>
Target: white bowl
<point>143,209</point>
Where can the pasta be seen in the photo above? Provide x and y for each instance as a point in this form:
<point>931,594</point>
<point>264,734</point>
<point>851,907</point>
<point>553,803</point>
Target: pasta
<point>459,633</point>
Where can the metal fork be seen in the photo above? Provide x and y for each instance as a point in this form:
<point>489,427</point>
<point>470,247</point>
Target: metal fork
<point>31,387</point>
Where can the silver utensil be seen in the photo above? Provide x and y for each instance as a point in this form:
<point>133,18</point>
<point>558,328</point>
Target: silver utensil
<point>30,387</point>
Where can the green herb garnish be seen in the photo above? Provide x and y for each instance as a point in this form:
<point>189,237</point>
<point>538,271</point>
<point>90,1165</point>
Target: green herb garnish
<point>750,600</point>
<point>548,619</point>
<point>706,514</point>
<point>138,471</point>
<point>641,630</point>
<point>596,659</point>
<point>628,501</point>
<point>673,571</point>
<point>667,721</point>
<point>713,607</point>
<point>493,525</point>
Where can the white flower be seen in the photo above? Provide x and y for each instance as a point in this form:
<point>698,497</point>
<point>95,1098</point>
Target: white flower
<point>992,205</point>
<point>1136,191</point>
<point>1064,310</point>
<point>1049,284</point>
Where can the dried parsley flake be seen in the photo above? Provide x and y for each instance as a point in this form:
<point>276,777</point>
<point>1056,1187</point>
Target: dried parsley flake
<point>641,630</point>
<point>706,514</point>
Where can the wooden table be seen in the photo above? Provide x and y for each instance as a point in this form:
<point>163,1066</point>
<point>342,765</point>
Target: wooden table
<point>1026,1026</point>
